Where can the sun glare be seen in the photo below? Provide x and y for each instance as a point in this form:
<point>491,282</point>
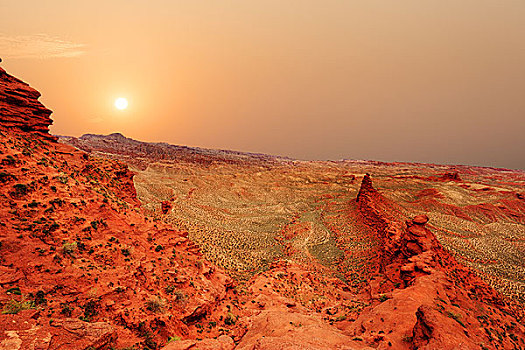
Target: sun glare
<point>121,103</point>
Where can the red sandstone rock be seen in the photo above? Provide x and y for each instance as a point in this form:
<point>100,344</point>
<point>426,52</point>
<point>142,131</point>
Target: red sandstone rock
<point>223,342</point>
<point>272,330</point>
<point>9,275</point>
<point>20,108</point>
<point>453,176</point>
<point>24,332</point>
<point>434,330</point>
<point>433,304</point>
<point>420,219</point>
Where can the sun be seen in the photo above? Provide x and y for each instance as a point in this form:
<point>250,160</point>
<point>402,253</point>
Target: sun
<point>121,103</point>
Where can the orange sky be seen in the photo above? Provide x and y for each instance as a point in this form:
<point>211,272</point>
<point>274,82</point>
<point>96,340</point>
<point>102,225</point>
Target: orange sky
<point>432,81</point>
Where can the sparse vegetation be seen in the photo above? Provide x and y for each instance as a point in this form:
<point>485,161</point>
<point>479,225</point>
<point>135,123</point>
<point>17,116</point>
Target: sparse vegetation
<point>20,190</point>
<point>156,304</point>
<point>455,317</point>
<point>66,310</point>
<point>6,177</point>
<point>56,202</point>
<point>230,319</point>
<point>9,160</point>
<point>407,338</point>
<point>14,290</point>
<point>69,248</point>
<point>173,338</point>
<point>14,306</point>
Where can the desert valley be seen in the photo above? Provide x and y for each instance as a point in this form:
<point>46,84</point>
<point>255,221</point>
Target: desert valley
<point>111,243</point>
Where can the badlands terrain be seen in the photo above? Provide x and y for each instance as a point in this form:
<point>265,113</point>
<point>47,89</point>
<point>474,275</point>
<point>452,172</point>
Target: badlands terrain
<point>247,210</point>
<point>111,243</point>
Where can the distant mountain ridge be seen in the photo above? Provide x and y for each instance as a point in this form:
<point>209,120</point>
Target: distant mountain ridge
<point>117,143</point>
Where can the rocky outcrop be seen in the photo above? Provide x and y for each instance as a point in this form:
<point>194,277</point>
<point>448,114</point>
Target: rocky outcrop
<point>222,342</point>
<point>433,296</point>
<point>371,206</point>
<point>27,331</point>
<point>20,108</point>
<point>278,329</point>
<point>452,176</point>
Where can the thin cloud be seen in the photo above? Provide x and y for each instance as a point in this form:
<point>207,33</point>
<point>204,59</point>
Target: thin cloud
<point>39,46</point>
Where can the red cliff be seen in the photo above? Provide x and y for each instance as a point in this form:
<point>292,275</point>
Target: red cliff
<point>20,108</point>
<point>425,294</point>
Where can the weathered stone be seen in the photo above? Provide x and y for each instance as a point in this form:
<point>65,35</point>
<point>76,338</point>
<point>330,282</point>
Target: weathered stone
<point>20,108</point>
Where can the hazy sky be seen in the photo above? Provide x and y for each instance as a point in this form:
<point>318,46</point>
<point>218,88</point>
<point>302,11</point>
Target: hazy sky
<point>432,81</point>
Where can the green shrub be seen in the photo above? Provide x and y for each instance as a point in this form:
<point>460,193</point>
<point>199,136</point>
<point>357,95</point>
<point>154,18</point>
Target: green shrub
<point>407,338</point>
<point>169,289</point>
<point>177,293</point>
<point>21,189</point>
<point>66,310</point>
<point>96,223</point>
<point>57,201</point>
<point>5,177</point>
<point>455,317</point>
<point>9,160</point>
<point>33,204</point>
<point>174,338</point>
<point>69,248</point>
<point>156,305</point>
<point>230,319</point>
<point>14,306</point>
<point>40,298</point>
<point>90,310</point>
<point>62,179</point>
<point>14,290</point>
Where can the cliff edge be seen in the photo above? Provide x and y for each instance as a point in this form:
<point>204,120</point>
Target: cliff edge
<point>20,108</point>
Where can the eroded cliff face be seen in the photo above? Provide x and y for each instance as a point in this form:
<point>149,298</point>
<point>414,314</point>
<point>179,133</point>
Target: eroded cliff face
<point>20,108</point>
<point>428,300</point>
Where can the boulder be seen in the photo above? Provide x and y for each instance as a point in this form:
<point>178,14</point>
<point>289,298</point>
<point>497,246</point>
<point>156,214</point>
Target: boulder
<point>420,220</point>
